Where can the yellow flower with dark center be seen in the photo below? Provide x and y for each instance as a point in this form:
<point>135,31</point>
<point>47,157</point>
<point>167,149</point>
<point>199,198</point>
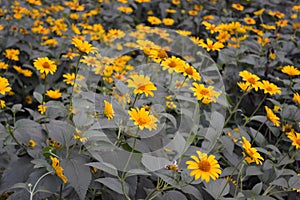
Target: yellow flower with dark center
<point>54,94</point>
<point>288,129</point>
<point>270,88</point>
<point>58,169</point>
<point>249,20</point>
<point>168,21</point>
<point>190,72</point>
<point>125,9</point>
<point>108,110</point>
<point>290,70</point>
<point>296,97</point>
<point>141,85</point>
<point>154,20</point>
<point>206,95</point>
<point>223,36</point>
<point>12,54</point>
<point>245,86</point>
<point>173,64</point>
<point>272,117</point>
<point>211,46</point>
<point>90,61</point>
<point>238,6</point>
<point>31,143</point>
<point>282,23</point>
<point>204,167</point>
<point>251,153</point>
<point>210,27</point>
<point>142,118</point>
<point>250,78</point>
<point>4,85</point>
<point>82,46</point>
<point>44,65</point>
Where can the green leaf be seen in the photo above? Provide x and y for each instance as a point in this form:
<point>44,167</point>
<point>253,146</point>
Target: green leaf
<point>17,108</point>
<point>189,189</point>
<point>153,163</point>
<point>214,188</point>
<point>253,171</point>
<point>106,167</point>
<point>78,174</point>
<point>173,195</point>
<point>294,182</point>
<point>280,182</point>
<point>113,184</point>
<point>19,186</point>
<point>38,97</point>
<point>257,189</point>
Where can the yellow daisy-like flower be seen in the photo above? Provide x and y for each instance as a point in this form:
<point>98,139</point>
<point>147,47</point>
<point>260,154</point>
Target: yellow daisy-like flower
<point>2,104</point>
<point>168,21</point>
<point>191,72</point>
<point>142,118</point>
<point>141,85</point>
<point>42,108</point>
<point>12,54</point>
<point>272,117</point>
<point>173,64</point>
<point>154,20</point>
<point>31,143</point>
<point>250,78</point>
<point>44,65</point>
<point>58,169</point>
<point>295,137</point>
<point>108,110</point>
<point>83,46</point>
<point>70,78</point>
<point>238,6</point>
<point>270,88</point>
<point>249,20</point>
<point>251,153</point>
<point>296,97</point>
<point>206,95</point>
<point>3,65</point>
<point>290,70</point>
<point>54,94</point>
<point>211,46</point>
<point>4,85</point>
<point>204,167</point>
<point>245,86</point>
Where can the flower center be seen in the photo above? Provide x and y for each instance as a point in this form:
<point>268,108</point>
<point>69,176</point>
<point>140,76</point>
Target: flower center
<point>189,71</point>
<point>141,87</point>
<point>251,80</point>
<point>46,65</point>
<point>204,92</point>
<point>204,166</point>
<point>297,141</point>
<point>172,64</point>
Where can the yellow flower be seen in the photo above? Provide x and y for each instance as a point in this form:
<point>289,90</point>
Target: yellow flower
<point>168,21</point>
<point>290,70</point>
<point>209,26</point>
<point>2,104</point>
<point>3,65</point>
<point>296,97</point>
<point>249,20</point>
<point>54,94</point>
<point>4,85</point>
<point>154,20</point>
<point>141,85</point>
<point>42,109</point>
<point>282,23</point>
<point>251,153</point>
<point>206,95</point>
<point>108,110</point>
<point>250,78</point>
<point>272,117</point>
<point>173,64</point>
<point>12,54</point>
<point>204,167</point>
<point>191,72</point>
<point>270,88</point>
<point>58,169</point>
<point>83,46</point>
<point>223,36</point>
<point>268,27</point>
<point>245,86</point>
<point>31,143</point>
<point>183,32</point>
<point>259,12</point>
<point>142,118</point>
<point>125,9</point>
<point>90,61</point>
<point>238,6</point>
<point>44,65</point>
<point>295,137</point>
<point>272,55</point>
<point>25,72</point>
<point>209,45</point>
<point>70,78</point>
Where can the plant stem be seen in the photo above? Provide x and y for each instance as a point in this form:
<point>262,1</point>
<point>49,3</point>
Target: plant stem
<point>256,109</point>
<point>32,192</point>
